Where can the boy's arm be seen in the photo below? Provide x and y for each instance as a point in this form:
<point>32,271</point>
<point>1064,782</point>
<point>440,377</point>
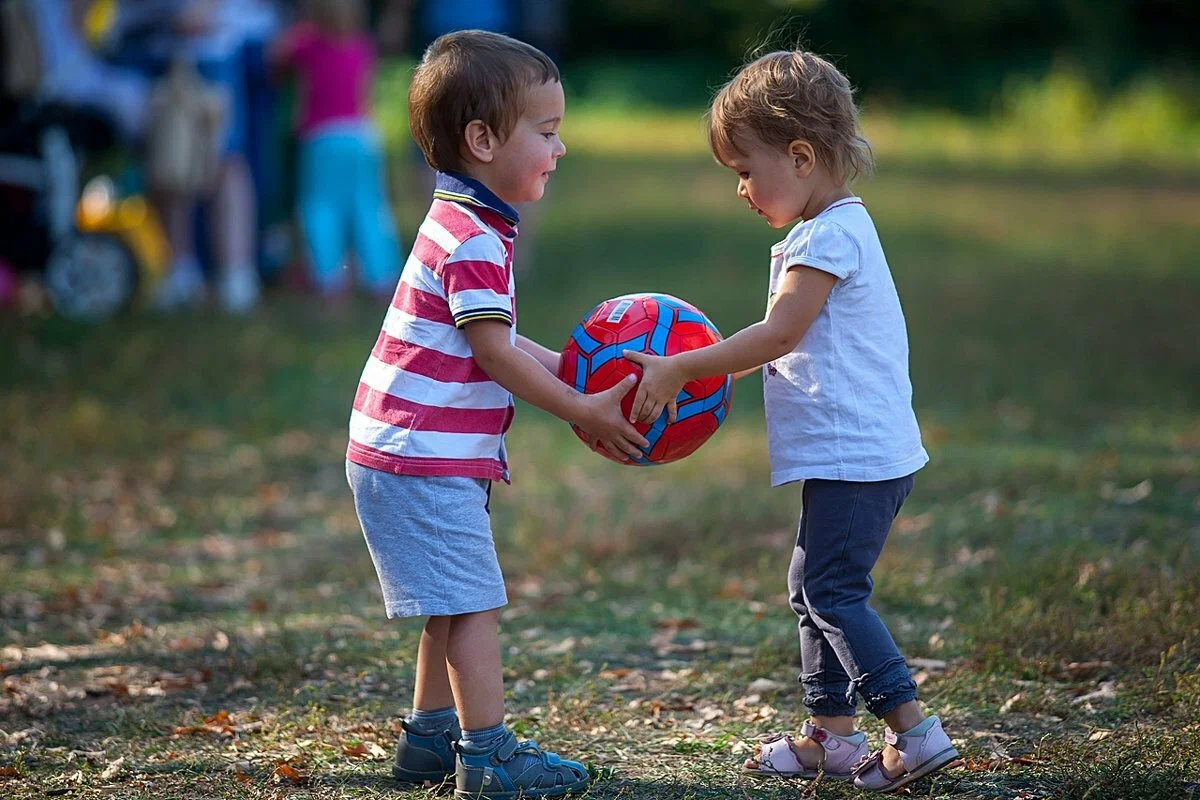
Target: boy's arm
<point>524,375</point>
<point>801,295</point>
<point>544,355</point>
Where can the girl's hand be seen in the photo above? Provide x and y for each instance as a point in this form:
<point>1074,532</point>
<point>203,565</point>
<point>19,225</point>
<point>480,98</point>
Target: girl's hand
<point>659,389</point>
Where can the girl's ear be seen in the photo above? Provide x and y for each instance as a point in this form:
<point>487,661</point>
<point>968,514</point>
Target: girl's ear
<point>479,141</point>
<point>804,159</point>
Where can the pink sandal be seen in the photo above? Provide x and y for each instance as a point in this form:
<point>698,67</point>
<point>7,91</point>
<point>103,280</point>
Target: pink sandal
<point>777,756</point>
<point>922,754</point>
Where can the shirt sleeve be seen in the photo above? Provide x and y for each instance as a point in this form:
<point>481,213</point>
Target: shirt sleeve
<point>822,245</point>
<point>475,280</point>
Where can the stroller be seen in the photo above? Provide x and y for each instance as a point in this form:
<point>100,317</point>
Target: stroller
<point>96,253</point>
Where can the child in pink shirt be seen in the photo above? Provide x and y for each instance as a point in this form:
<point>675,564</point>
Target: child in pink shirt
<point>342,198</point>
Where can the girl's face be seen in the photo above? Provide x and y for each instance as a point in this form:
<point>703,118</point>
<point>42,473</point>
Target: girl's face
<point>775,183</point>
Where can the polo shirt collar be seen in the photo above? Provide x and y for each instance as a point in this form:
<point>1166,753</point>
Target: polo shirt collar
<point>459,188</point>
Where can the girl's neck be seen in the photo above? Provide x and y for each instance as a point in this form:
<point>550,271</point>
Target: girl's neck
<point>822,200</point>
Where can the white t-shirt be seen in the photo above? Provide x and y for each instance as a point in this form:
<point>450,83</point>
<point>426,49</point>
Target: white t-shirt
<point>839,406</point>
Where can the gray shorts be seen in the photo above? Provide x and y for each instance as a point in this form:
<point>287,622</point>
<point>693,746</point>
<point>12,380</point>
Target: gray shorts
<point>431,541</point>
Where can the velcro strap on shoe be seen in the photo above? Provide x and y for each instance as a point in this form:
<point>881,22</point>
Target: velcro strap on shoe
<point>506,750</point>
<point>892,738</point>
<point>819,735</point>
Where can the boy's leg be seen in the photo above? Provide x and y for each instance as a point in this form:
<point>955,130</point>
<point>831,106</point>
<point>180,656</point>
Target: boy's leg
<point>425,751</point>
<point>475,671</point>
<point>491,762</point>
<point>432,691</point>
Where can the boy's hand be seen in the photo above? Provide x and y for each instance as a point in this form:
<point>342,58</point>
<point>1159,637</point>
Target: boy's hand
<point>661,382</point>
<point>607,425</point>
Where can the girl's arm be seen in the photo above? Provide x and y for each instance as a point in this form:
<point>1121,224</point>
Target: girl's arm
<point>801,295</point>
<point>544,355</point>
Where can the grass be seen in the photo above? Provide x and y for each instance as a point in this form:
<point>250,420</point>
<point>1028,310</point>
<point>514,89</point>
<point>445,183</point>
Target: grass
<point>187,608</point>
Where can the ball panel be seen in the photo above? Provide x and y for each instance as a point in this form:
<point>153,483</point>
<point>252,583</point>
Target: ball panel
<point>663,325</point>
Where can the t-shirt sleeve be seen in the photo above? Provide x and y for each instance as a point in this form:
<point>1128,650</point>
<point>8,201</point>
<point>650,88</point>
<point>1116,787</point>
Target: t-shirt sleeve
<point>822,245</point>
<point>475,280</point>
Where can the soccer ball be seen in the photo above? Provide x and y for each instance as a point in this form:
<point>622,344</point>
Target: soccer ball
<point>652,323</point>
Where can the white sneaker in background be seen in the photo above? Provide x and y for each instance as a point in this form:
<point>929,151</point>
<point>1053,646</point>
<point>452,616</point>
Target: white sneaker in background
<point>183,287</point>
<point>239,289</point>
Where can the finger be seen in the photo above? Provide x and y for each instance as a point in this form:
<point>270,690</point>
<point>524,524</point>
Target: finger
<point>641,441</point>
<point>672,411</point>
<point>631,449</point>
<point>638,400</point>
<point>616,451</point>
<point>635,356</point>
<point>652,411</point>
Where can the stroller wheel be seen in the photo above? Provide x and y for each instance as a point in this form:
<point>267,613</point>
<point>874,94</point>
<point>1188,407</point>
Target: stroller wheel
<point>91,276</point>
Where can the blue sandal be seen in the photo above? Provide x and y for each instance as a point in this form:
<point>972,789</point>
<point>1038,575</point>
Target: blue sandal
<point>516,769</point>
<point>422,757</point>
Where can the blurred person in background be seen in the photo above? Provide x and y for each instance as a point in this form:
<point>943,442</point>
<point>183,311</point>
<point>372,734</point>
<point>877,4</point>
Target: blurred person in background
<point>75,76</point>
<point>537,22</point>
<point>151,35</point>
<point>342,167</point>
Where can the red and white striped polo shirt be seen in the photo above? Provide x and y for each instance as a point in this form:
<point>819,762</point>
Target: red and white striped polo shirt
<point>423,406</point>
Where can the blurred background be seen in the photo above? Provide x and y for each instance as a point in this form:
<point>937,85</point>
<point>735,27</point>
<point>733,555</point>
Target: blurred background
<point>178,365</point>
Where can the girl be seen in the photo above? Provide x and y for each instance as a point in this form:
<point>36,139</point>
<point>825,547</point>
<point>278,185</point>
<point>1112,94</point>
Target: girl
<point>341,176</point>
<point>838,406</point>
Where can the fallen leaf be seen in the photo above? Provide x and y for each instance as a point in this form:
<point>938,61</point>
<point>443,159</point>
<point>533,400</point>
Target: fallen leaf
<point>764,685</point>
<point>679,624</point>
<point>9,772</point>
<point>112,770</point>
<point>285,773</point>
<point>1009,703</point>
<point>1099,735</point>
<point>355,751</point>
<point>1106,691</point>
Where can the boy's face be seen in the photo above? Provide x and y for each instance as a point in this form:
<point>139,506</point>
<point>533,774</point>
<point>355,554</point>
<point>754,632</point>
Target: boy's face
<point>770,183</point>
<point>523,163</point>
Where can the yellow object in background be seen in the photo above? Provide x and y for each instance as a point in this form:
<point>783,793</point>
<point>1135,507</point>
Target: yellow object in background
<point>98,21</point>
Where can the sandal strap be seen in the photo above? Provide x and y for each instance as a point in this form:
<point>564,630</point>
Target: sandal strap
<point>868,761</point>
<point>507,749</point>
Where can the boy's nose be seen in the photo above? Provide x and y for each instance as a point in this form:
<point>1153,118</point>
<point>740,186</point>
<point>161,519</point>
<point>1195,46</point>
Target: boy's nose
<point>741,191</point>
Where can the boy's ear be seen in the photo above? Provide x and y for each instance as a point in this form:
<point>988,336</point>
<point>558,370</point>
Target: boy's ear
<point>804,159</point>
<point>480,142</point>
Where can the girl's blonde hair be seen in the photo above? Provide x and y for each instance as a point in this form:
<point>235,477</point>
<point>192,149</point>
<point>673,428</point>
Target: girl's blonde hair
<point>338,17</point>
<point>789,95</point>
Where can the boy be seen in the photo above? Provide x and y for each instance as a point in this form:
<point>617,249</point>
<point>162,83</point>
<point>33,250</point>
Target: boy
<point>427,429</point>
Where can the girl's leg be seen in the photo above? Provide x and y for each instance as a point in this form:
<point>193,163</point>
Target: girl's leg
<point>322,218</point>
<point>373,227</point>
<point>848,525</point>
<point>826,684</point>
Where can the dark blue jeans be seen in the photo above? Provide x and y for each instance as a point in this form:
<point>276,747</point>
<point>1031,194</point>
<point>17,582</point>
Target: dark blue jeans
<point>845,649</point>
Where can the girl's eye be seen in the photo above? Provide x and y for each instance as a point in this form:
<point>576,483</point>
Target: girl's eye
<point>550,135</point>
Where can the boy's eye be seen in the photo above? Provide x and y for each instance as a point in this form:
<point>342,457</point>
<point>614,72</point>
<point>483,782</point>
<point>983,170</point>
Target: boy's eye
<point>743,175</point>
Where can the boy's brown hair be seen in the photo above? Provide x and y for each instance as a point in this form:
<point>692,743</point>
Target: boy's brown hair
<point>789,95</point>
<point>470,75</point>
